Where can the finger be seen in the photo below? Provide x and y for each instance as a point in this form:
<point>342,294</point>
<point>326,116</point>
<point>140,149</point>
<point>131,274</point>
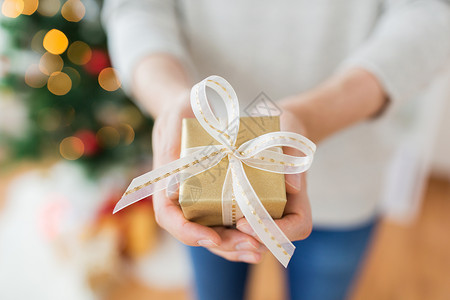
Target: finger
<point>170,217</point>
<point>239,256</point>
<point>294,226</point>
<point>173,191</point>
<point>234,240</point>
<point>296,222</point>
<point>166,139</point>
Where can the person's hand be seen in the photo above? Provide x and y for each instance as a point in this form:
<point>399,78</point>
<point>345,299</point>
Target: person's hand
<point>296,222</point>
<point>228,243</point>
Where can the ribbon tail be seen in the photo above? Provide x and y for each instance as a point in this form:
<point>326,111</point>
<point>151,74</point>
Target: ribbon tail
<point>170,174</point>
<point>258,217</point>
<point>227,199</point>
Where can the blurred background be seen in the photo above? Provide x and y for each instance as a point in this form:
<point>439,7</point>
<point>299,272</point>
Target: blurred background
<point>70,142</point>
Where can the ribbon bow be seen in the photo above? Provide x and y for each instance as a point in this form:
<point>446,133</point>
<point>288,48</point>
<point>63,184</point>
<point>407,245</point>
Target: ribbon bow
<point>258,153</point>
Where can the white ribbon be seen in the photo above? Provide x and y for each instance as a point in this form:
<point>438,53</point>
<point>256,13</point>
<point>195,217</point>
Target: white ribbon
<point>257,153</point>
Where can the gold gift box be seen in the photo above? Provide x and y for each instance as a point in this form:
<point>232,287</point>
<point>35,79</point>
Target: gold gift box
<point>201,195</point>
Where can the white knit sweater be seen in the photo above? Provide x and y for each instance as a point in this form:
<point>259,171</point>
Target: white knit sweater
<point>286,47</point>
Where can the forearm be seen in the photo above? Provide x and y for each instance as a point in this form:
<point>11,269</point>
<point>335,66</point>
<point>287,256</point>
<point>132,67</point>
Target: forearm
<point>159,81</point>
<point>345,99</point>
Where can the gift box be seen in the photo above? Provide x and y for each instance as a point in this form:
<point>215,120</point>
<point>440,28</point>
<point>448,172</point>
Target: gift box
<point>230,168</point>
<point>200,196</point>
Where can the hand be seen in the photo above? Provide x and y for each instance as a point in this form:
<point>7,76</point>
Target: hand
<point>296,222</point>
<point>229,243</point>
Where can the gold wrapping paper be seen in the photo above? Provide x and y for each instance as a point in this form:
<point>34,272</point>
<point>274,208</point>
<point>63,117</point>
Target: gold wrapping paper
<point>201,195</point>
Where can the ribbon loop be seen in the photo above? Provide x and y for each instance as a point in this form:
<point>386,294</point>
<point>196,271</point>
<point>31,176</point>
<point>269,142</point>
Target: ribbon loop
<point>262,152</point>
<point>226,131</point>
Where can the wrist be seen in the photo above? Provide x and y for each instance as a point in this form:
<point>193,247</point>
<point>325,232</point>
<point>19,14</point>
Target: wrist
<point>345,99</point>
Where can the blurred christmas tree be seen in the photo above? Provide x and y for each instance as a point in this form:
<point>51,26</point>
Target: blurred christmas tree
<point>58,66</point>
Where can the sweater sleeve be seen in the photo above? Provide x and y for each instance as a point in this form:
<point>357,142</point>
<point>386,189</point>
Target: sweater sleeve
<point>137,28</point>
<point>408,47</point>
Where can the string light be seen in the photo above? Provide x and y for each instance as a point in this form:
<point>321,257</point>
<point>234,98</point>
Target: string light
<point>73,10</point>
<point>108,137</point>
<point>71,148</point>
<point>127,133</point>
<point>108,80</point>
<point>50,63</point>
<point>79,53</point>
<point>34,77</point>
<point>12,8</point>
<point>59,83</point>
<point>48,8</point>
<point>55,41</point>
<point>30,6</point>
<point>131,115</point>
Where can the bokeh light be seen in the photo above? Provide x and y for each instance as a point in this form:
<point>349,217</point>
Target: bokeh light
<point>79,53</point>
<point>50,63</point>
<point>49,119</point>
<point>30,6</point>
<point>127,133</point>
<point>131,115</point>
<point>12,8</point>
<point>73,10</point>
<point>55,41</point>
<point>71,148</point>
<point>73,74</point>
<point>48,8</point>
<point>108,137</point>
<point>68,115</point>
<point>38,40</point>
<point>59,83</point>
<point>108,79</point>
<point>34,77</point>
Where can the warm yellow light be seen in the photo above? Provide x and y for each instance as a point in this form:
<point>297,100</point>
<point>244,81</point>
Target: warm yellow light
<point>108,136</point>
<point>73,10</point>
<point>71,148</point>
<point>108,79</point>
<point>30,7</point>
<point>131,115</point>
<point>55,41</point>
<point>12,8</point>
<point>79,53</point>
<point>34,77</point>
<point>127,133</point>
<point>50,63</point>
<point>48,8</point>
<point>59,83</point>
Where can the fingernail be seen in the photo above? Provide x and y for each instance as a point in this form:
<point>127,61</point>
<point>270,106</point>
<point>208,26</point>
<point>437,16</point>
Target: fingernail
<point>294,180</point>
<point>245,228</point>
<point>245,246</point>
<point>248,258</point>
<point>206,243</point>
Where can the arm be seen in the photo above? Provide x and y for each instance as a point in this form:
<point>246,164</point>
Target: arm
<point>345,99</point>
<point>406,51</point>
<point>146,49</point>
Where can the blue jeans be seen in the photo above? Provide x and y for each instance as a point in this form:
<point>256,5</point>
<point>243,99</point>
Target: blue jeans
<point>322,267</point>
